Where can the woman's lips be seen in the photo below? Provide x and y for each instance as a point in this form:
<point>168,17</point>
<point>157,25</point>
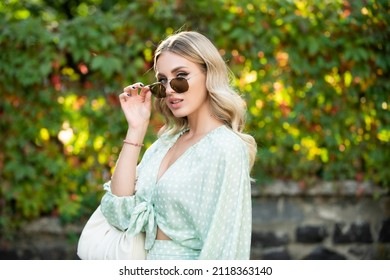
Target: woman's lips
<point>175,103</point>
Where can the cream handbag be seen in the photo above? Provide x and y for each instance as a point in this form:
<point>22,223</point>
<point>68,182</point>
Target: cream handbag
<point>101,241</point>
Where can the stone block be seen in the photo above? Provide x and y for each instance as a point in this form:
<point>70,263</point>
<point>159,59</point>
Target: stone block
<point>362,252</point>
<point>276,210</point>
<point>276,254</point>
<point>384,232</point>
<point>268,239</point>
<point>355,233</point>
<point>311,233</point>
<point>322,253</point>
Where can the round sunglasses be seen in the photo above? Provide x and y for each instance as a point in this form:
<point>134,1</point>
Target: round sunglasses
<point>179,85</point>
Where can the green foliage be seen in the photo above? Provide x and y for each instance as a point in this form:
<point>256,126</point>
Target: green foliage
<point>314,75</point>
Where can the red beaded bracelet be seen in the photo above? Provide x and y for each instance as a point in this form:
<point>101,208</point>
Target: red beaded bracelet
<point>134,144</point>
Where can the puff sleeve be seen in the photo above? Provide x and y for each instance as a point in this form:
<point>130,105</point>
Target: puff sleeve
<point>223,217</point>
<point>228,234</point>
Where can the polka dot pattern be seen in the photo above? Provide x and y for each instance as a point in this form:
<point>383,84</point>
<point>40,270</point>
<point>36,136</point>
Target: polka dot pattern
<point>202,202</point>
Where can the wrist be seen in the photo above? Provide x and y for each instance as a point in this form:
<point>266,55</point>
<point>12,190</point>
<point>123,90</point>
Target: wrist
<point>126,141</point>
<point>136,135</point>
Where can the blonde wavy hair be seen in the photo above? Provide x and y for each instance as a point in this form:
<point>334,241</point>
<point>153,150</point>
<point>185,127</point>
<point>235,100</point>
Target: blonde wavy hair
<point>226,104</point>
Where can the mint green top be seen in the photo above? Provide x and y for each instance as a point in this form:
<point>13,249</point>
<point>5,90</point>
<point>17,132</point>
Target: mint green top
<point>202,201</point>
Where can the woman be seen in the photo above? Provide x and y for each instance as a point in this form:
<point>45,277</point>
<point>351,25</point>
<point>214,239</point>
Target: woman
<point>191,191</point>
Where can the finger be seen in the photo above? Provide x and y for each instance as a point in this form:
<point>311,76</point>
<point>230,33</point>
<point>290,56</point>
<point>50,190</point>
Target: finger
<point>144,91</point>
<point>133,89</point>
<point>124,96</point>
<point>130,90</point>
<point>148,99</point>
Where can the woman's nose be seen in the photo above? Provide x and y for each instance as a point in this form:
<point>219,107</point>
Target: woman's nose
<point>168,88</point>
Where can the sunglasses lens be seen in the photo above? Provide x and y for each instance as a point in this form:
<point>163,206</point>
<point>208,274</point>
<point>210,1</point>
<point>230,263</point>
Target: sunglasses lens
<point>158,90</point>
<point>179,84</point>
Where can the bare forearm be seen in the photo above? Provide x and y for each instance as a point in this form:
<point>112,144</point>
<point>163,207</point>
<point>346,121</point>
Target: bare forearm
<point>124,175</point>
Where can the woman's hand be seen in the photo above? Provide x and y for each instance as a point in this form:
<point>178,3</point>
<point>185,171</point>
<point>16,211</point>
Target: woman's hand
<point>136,103</point>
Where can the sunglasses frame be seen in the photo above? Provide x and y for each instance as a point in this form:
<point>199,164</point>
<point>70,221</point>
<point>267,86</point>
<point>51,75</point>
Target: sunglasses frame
<point>162,91</point>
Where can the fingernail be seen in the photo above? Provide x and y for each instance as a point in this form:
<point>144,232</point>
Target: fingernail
<point>141,84</point>
<point>133,87</point>
<point>128,94</point>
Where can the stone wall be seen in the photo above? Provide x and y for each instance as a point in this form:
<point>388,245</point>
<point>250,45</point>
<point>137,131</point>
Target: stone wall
<point>326,221</point>
<point>43,239</point>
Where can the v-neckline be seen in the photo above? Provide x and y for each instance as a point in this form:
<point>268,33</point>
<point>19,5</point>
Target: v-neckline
<point>158,178</point>
<point>175,139</point>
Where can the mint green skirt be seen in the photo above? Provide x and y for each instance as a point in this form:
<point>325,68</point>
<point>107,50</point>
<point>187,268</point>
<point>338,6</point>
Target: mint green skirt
<point>169,250</point>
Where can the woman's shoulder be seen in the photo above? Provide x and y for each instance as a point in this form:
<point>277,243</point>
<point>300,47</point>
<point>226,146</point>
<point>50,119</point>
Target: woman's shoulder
<point>225,140</point>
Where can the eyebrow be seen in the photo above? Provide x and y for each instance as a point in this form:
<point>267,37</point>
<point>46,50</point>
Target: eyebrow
<point>174,70</point>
